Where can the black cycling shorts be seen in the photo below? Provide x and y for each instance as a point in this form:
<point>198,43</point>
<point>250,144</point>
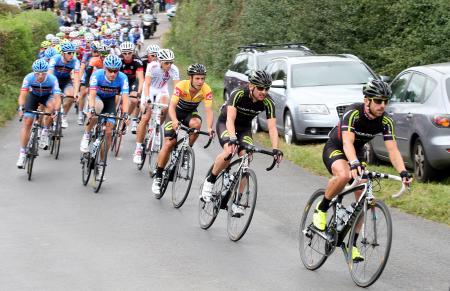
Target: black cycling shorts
<point>244,135</point>
<point>332,153</point>
<point>184,117</point>
<point>109,106</point>
<point>32,101</point>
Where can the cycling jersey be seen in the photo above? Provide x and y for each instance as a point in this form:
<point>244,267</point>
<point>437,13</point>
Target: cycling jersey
<point>355,120</point>
<point>48,87</point>
<point>131,68</point>
<point>246,108</point>
<point>189,103</point>
<point>108,89</point>
<point>62,70</point>
<point>86,57</point>
<point>161,77</point>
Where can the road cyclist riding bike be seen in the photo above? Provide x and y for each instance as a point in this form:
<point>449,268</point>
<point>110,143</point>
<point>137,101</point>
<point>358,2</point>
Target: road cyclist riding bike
<point>343,151</point>
<point>156,90</point>
<point>183,110</point>
<point>105,85</point>
<point>37,88</point>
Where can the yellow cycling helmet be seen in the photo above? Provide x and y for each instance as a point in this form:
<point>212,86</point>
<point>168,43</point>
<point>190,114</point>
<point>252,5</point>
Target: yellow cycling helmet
<point>58,48</point>
<point>45,44</point>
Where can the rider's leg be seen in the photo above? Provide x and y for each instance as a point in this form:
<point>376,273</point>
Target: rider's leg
<point>194,122</point>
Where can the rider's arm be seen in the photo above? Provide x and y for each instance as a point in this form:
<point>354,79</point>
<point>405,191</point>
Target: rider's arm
<point>22,97</point>
<point>231,118</point>
<point>125,90</point>
<point>273,132</point>
<point>56,91</point>
<point>140,76</point>
<point>51,66</point>
<point>394,155</point>
<point>172,109</point>
<point>148,82</point>
<point>348,140</point>
<point>76,78</point>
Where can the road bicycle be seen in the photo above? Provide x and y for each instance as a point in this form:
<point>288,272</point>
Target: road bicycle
<point>55,135</point>
<point>119,131</point>
<point>181,166</point>
<point>32,148</point>
<point>153,138</point>
<point>236,186</point>
<point>95,159</point>
<point>367,221</point>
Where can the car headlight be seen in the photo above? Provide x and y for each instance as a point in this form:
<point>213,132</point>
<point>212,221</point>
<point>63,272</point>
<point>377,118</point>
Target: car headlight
<point>313,109</point>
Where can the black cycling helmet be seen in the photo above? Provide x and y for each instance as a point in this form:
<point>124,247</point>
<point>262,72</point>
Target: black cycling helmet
<point>260,78</point>
<point>377,88</point>
<point>196,69</point>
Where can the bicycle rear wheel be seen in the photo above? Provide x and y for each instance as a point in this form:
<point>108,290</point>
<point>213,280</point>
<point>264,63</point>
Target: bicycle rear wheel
<point>154,150</point>
<point>208,211</point>
<point>374,243</point>
<point>86,167</point>
<point>314,249</point>
<point>183,176</point>
<point>100,164</point>
<point>237,225</point>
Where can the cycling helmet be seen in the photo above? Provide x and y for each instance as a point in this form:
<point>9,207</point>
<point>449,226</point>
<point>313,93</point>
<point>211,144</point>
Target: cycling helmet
<point>40,65</point>
<point>68,47</point>
<point>74,34</point>
<point>45,44</point>
<point>196,69</point>
<point>89,37</point>
<point>112,62</point>
<point>95,45</point>
<point>166,55</point>
<point>55,40</point>
<point>76,43</point>
<point>377,88</point>
<point>64,40</point>
<point>153,49</point>
<point>108,31</point>
<point>104,50</point>
<point>62,29</point>
<point>260,78</point>
<point>58,48</point>
<point>60,34</point>
<point>127,47</point>
<point>124,30</point>
<point>50,52</point>
<point>49,37</point>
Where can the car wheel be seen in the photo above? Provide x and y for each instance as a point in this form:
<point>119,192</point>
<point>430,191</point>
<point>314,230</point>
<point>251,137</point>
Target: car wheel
<point>422,168</point>
<point>255,125</point>
<point>289,131</point>
<point>369,154</point>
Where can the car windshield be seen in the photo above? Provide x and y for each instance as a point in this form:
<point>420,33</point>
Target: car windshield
<point>330,73</point>
<point>264,60</point>
<point>447,86</point>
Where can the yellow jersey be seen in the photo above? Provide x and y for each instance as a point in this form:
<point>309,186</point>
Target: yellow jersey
<point>186,102</point>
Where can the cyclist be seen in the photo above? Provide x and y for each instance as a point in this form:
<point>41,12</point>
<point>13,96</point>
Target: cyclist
<point>37,88</point>
<point>152,55</point>
<point>105,84</point>
<point>44,46</point>
<point>234,125</point>
<point>183,109</point>
<point>132,67</point>
<point>156,90</point>
<point>343,152</point>
<point>61,66</point>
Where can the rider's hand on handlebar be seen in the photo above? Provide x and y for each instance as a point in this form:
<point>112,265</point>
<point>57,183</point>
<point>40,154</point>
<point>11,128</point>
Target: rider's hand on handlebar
<point>232,144</point>
<point>90,113</point>
<point>211,133</point>
<point>175,124</point>
<point>20,111</point>
<point>356,169</point>
<point>406,178</point>
<point>277,155</point>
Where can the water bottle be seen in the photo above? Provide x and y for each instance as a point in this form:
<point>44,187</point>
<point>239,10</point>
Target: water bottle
<point>341,216</point>
<point>226,179</point>
<point>95,146</point>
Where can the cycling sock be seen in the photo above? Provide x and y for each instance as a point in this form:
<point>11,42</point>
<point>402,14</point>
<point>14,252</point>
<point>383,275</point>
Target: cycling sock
<point>138,145</point>
<point>159,172</point>
<point>355,239</point>
<point>23,150</point>
<point>212,178</point>
<point>324,205</point>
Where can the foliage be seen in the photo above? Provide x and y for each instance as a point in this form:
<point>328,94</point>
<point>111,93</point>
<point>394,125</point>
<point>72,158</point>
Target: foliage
<point>6,9</point>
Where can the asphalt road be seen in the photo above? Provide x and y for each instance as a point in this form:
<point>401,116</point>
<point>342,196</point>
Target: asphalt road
<point>56,234</point>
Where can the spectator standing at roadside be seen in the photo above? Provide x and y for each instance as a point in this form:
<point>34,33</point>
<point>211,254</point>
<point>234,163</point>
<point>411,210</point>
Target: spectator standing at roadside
<point>78,12</point>
<point>51,4</point>
<point>71,9</point>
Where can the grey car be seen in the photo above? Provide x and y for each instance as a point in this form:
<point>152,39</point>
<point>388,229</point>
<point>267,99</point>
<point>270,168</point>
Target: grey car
<point>420,107</point>
<point>311,92</point>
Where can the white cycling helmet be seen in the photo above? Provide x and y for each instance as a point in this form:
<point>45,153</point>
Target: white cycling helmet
<point>49,37</point>
<point>153,49</point>
<point>89,37</point>
<point>127,47</point>
<point>77,43</point>
<point>55,40</point>
<point>74,34</point>
<point>166,55</point>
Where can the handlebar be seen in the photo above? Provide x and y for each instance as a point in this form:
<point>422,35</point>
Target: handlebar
<point>38,112</point>
<point>107,115</point>
<point>373,175</point>
<point>191,130</point>
<point>252,149</point>
<point>154,104</point>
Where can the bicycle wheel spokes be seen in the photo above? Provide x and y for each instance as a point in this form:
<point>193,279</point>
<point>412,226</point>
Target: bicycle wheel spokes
<point>182,179</point>
<point>374,243</point>
<point>208,211</point>
<point>86,167</point>
<point>100,164</point>
<point>312,246</point>
<point>243,198</point>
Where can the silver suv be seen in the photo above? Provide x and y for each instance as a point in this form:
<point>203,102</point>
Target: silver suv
<point>312,92</point>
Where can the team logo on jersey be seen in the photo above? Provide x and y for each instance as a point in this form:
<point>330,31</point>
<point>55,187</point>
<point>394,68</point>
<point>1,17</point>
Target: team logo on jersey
<point>208,96</point>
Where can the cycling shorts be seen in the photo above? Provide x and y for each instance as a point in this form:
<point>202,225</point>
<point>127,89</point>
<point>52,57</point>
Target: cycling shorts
<point>155,95</point>
<point>32,103</point>
<point>184,117</point>
<point>244,134</point>
<point>332,153</point>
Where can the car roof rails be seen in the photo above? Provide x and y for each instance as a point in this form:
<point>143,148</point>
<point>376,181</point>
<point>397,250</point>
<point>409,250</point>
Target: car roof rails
<point>258,45</point>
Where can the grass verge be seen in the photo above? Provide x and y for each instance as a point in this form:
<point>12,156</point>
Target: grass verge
<point>427,200</point>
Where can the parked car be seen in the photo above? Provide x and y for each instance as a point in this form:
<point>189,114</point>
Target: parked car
<point>420,107</point>
<point>256,56</point>
<point>171,12</point>
<point>312,92</point>
<point>15,3</point>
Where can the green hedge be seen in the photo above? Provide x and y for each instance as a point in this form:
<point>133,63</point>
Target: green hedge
<point>388,35</point>
<point>20,38</point>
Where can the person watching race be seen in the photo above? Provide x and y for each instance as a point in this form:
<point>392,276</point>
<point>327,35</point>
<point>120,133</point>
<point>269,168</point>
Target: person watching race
<point>343,152</point>
<point>38,88</point>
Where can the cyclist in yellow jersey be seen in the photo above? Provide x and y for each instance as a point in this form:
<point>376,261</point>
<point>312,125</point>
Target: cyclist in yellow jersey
<point>183,109</point>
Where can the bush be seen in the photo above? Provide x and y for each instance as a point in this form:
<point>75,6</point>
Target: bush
<point>6,9</point>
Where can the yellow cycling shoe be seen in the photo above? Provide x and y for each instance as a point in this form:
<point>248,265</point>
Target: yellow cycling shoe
<point>356,255</point>
<point>319,218</point>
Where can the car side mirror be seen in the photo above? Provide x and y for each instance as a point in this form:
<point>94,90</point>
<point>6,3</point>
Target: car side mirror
<point>279,84</point>
<point>386,79</point>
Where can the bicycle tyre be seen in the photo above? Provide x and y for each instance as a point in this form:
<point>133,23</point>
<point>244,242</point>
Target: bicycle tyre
<point>208,211</point>
<point>367,247</point>
<point>86,167</point>
<point>118,143</point>
<point>154,150</point>
<point>32,154</point>
<point>143,154</point>
<point>236,234</point>
<point>99,162</point>
<point>178,200</point>
<point>57,137</point>
<point>305,233</point>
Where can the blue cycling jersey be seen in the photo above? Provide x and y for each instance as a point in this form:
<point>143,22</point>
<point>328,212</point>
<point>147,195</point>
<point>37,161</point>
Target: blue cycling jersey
<point>48,87</point>
<point>62,70</point>
<point>108,89</point>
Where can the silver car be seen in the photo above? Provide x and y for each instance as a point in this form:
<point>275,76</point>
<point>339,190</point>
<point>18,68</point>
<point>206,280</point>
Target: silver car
<point>420,107</point>
<point>312,92</point>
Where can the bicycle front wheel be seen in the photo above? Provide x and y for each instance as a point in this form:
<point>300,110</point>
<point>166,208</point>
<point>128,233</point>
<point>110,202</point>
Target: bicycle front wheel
<point>182,177</point>
<point>374,243</point>
<point>243,198</point>
<point>312,246</point>
<point>155,147</point>
<point>33,152</point>
<point>100,164</point>
<point>143,154</point>
<point>86,167</point>
<point>57,137</point>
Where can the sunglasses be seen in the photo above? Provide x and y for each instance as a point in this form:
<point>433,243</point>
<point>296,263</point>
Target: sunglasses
<point>69,53</point>
<point>167,63</point>
<point>126,54</point>
<point>112,71</point>
<point>262,88</point>
<point>153,56</point>
<point>380,100</point>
